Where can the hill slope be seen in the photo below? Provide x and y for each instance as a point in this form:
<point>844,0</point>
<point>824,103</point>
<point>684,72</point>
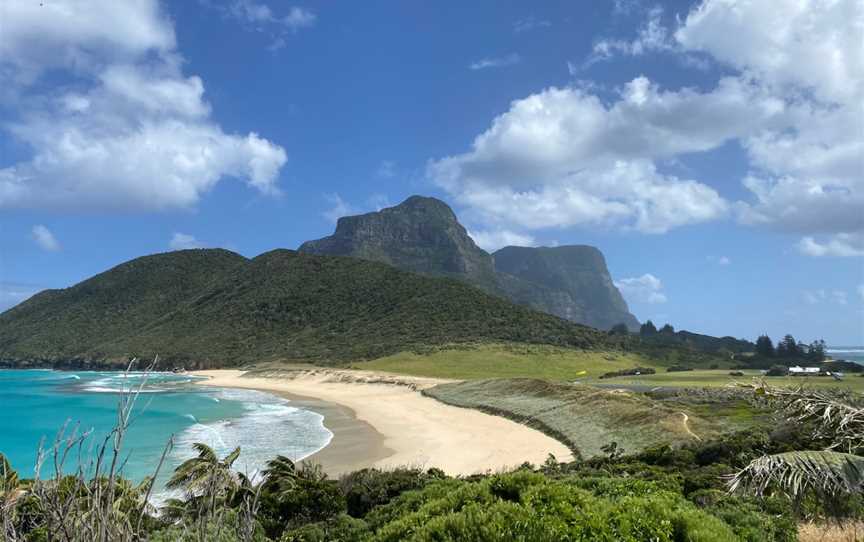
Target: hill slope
<point>206,308</point>
<point>423,235</point>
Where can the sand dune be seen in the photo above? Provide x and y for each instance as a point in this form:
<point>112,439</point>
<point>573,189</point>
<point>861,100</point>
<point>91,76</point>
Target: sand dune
<point>415,430</point>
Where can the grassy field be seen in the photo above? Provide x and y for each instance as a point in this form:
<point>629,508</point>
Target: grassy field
<point>473,362</point>
<point>507,361</point>
<point>720,378</point>
<point>586,418</point>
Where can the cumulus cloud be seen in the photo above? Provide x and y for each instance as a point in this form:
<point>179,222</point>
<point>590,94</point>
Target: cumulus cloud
<point>644,289</point>
<point>790,97</point>
<point>562,157</point>
<point>810,177</point>
<point>44,238</point>
<point>491,241</point>
<point>184,241</point>
<point>840,244</point>
<point>495,62</point>
<point>133,132</point>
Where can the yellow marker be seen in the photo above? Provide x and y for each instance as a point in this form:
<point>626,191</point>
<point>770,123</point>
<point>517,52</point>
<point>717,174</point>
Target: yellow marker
<point>582,373</point>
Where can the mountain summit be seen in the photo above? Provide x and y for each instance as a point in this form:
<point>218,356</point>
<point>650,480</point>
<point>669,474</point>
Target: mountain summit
<point>423,235</point>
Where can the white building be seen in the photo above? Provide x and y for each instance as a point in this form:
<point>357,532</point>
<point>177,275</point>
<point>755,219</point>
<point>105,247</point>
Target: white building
<point>804,370</point>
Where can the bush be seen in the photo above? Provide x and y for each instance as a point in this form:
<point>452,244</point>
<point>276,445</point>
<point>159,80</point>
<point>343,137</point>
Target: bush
<point>777,370</point>
<point>629,372</point>
<point>678,369</point>
<point>368,488</point>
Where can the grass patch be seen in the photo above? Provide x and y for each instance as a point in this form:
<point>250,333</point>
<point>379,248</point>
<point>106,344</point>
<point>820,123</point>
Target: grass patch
<point>720,378</point>
<point>583,417</point>
<point>482,361</point>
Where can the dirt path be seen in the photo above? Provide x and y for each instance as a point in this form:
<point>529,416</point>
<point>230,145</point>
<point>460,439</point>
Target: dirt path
<point>686,422</point>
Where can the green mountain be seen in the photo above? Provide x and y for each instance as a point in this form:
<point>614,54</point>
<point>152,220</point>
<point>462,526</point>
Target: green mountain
<point>211,307</point>
<point>423,235</point>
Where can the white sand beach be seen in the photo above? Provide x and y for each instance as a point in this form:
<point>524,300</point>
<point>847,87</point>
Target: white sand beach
<point>393,424</point>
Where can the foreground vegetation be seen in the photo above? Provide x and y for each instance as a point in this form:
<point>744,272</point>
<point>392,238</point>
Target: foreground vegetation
<point>753,485</point>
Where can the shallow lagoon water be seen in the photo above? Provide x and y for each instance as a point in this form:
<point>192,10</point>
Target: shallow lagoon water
<point>36,404</point>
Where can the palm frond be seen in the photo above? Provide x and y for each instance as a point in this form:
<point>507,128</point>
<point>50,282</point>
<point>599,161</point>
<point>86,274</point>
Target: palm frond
<point>796,473</point>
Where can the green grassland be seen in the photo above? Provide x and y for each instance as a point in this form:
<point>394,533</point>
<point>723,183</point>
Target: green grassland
<point>587,418</point>
<point>509,361</point>
<point>503,360</point>
<point>720,378</point>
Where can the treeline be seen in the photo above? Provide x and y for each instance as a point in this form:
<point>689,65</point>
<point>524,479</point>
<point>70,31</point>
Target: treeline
<point>790,350</point>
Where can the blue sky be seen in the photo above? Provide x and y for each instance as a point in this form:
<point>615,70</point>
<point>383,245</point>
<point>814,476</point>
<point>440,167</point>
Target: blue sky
<point>711,150</point>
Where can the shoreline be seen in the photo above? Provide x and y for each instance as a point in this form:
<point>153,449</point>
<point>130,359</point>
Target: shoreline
<point>383,421</point>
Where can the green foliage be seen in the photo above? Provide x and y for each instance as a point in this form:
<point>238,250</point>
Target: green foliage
<point>203,308</point>
<point>777,370</point>
<point>368,488</point>
<point>648,329</point>
<point>764,346</point>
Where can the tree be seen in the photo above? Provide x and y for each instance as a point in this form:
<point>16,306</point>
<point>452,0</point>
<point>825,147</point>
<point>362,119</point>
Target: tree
<point>788,347</point>
<point>764,346</point>
<point>206,479</point>
<point>833,474</point>
<point>619,329</point>
<point>648,329</point>
<point>816,351</point>
<point>667,328</point>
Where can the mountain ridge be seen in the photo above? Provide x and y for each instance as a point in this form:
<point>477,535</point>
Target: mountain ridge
<point>423,234</point>
<point>211,307</point>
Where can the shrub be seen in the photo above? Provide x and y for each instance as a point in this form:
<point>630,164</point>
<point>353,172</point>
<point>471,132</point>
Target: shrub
<point>777,370</point>
<point>368,488</point>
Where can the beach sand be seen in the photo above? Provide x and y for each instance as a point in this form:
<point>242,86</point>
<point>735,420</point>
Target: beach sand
<point>383,421</point>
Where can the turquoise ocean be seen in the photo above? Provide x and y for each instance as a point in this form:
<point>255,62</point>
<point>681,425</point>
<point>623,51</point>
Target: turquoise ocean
<point>36,404</point>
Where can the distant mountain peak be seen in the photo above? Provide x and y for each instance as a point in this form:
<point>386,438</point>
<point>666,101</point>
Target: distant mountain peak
<point>423,234</point>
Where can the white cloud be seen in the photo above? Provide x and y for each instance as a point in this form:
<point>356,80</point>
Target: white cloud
<point>491,241</point>
<point>339,208</point>
<point>496,62</point>
<point>386,169</point>
<point>44,238</point>
<point>184,241</point>
<point>840,244</point>
<point>255,13</point>
<point>724,260</point>
<point>564,157</point>
<point>135,133</point>
<point>809,176</point>
<point>530,23</point>
<point>652,37</point>
<point>815,297</point>
<point>83,35</point>
<point>644,289</point>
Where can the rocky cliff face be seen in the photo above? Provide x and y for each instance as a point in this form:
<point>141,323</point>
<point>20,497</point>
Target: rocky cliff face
<point>423,235</point>
<point>574,284</point>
